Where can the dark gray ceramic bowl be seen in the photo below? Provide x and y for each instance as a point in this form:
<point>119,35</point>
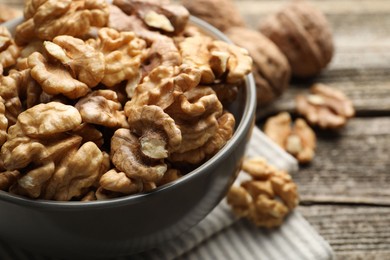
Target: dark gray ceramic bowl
<point>134,223</point>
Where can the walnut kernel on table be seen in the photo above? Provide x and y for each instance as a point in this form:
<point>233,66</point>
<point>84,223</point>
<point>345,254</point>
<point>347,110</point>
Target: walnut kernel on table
<point>325,107</point>
<point>267,197</point>
<point>271,69</point>
<point>298,139</point>
<point>303,34</point>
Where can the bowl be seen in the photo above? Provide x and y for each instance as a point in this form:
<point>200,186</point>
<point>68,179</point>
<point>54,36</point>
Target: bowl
<point>135,223</point>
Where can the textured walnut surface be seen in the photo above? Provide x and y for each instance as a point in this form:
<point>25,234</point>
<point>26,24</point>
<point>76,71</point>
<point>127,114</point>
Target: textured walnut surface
<point>99,101</point>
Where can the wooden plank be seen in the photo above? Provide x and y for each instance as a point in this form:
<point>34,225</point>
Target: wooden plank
<point>353,232</point>
<point>351,166</point>
<point>369,89</point>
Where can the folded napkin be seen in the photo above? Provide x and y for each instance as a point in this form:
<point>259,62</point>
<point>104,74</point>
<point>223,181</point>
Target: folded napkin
<point>222,236</point>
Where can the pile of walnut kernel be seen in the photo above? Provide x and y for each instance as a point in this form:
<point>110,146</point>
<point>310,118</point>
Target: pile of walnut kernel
<point>294,42</point>
<point>100,101</point>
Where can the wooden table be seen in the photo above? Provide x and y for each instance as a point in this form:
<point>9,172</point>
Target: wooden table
<point>345,191</point>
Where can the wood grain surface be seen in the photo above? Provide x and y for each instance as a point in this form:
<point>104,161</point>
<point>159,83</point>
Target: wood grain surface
<point>345,191</point>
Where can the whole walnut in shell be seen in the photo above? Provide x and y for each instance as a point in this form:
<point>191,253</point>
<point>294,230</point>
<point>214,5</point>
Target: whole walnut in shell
<point>303,34</point>
<point>222,14</point>
<point>271,69</point>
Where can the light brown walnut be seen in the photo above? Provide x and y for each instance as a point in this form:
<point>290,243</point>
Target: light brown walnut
<point>83,62</point>
<point>222,14</point>
<point>158,134</point>
<point>76,172</point>
<point>127,157</point>
<point>223,133</point>
<point>9,51</point>
<point>240,200</point>
<point>196,113</point>
<point>101,107</point>
<point>123,22</point>
<point>3,122</point>
<point>195,53</point>
<point>303,34</point>
<point>20,150</point>
<point>116,181</point>
<point>162,52</point>
<point>169,176</point>
<point>325,107</point>
<point>239,63</point>
<point>163,85</point>
<point>298,139</point>
<point>271,69</point>
<point>54,78</point>
<point>14,88</point>
<point>45,120</point>
<point>8,178</point>
<point>47,19</point>
<point>27,50</point>
<point>123,55</point>
<point>267,197</point>
<point>161,15</point>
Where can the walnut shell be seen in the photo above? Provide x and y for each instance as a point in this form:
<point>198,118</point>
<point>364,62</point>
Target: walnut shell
<point>271,69</point>
<point>222,14</point>
<point>304,35</point>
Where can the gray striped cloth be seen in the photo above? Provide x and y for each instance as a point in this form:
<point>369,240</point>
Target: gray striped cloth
<point>222,236</point>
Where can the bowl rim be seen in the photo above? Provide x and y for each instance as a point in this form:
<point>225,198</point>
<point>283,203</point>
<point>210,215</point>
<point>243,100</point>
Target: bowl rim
<point>245,123</point>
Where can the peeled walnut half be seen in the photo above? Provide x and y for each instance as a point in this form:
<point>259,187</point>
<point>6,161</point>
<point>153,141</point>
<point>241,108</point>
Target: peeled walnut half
<point>271,69</point>
<point>76,172</point>
<point>326,107</point>
<point>298,139</point>
<point>54,78</point>
<point>162,52</point>
<point>162,15</point>
<point>101,107</point>
<point>196,113</point>
<point>3,122</point>
<point>303,34</point>
<point>163,85</point>
<point>127,157</point>
<point>83,62</point>
<point>265,199</point>
<point>123,55</point>
<point>9,51</point>
<point>238,62</point>
<point>47,19</point>
<point>195,53</point>
<point>222,134</point>
<point>157,131</point>
<point>116,181</point>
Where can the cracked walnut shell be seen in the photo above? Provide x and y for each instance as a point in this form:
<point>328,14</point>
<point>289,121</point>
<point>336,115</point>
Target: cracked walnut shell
<point>325,106</point>
<point>303,34</point>
<point>265,199</point>
<point>299,139</point>
<point>271,69</point>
